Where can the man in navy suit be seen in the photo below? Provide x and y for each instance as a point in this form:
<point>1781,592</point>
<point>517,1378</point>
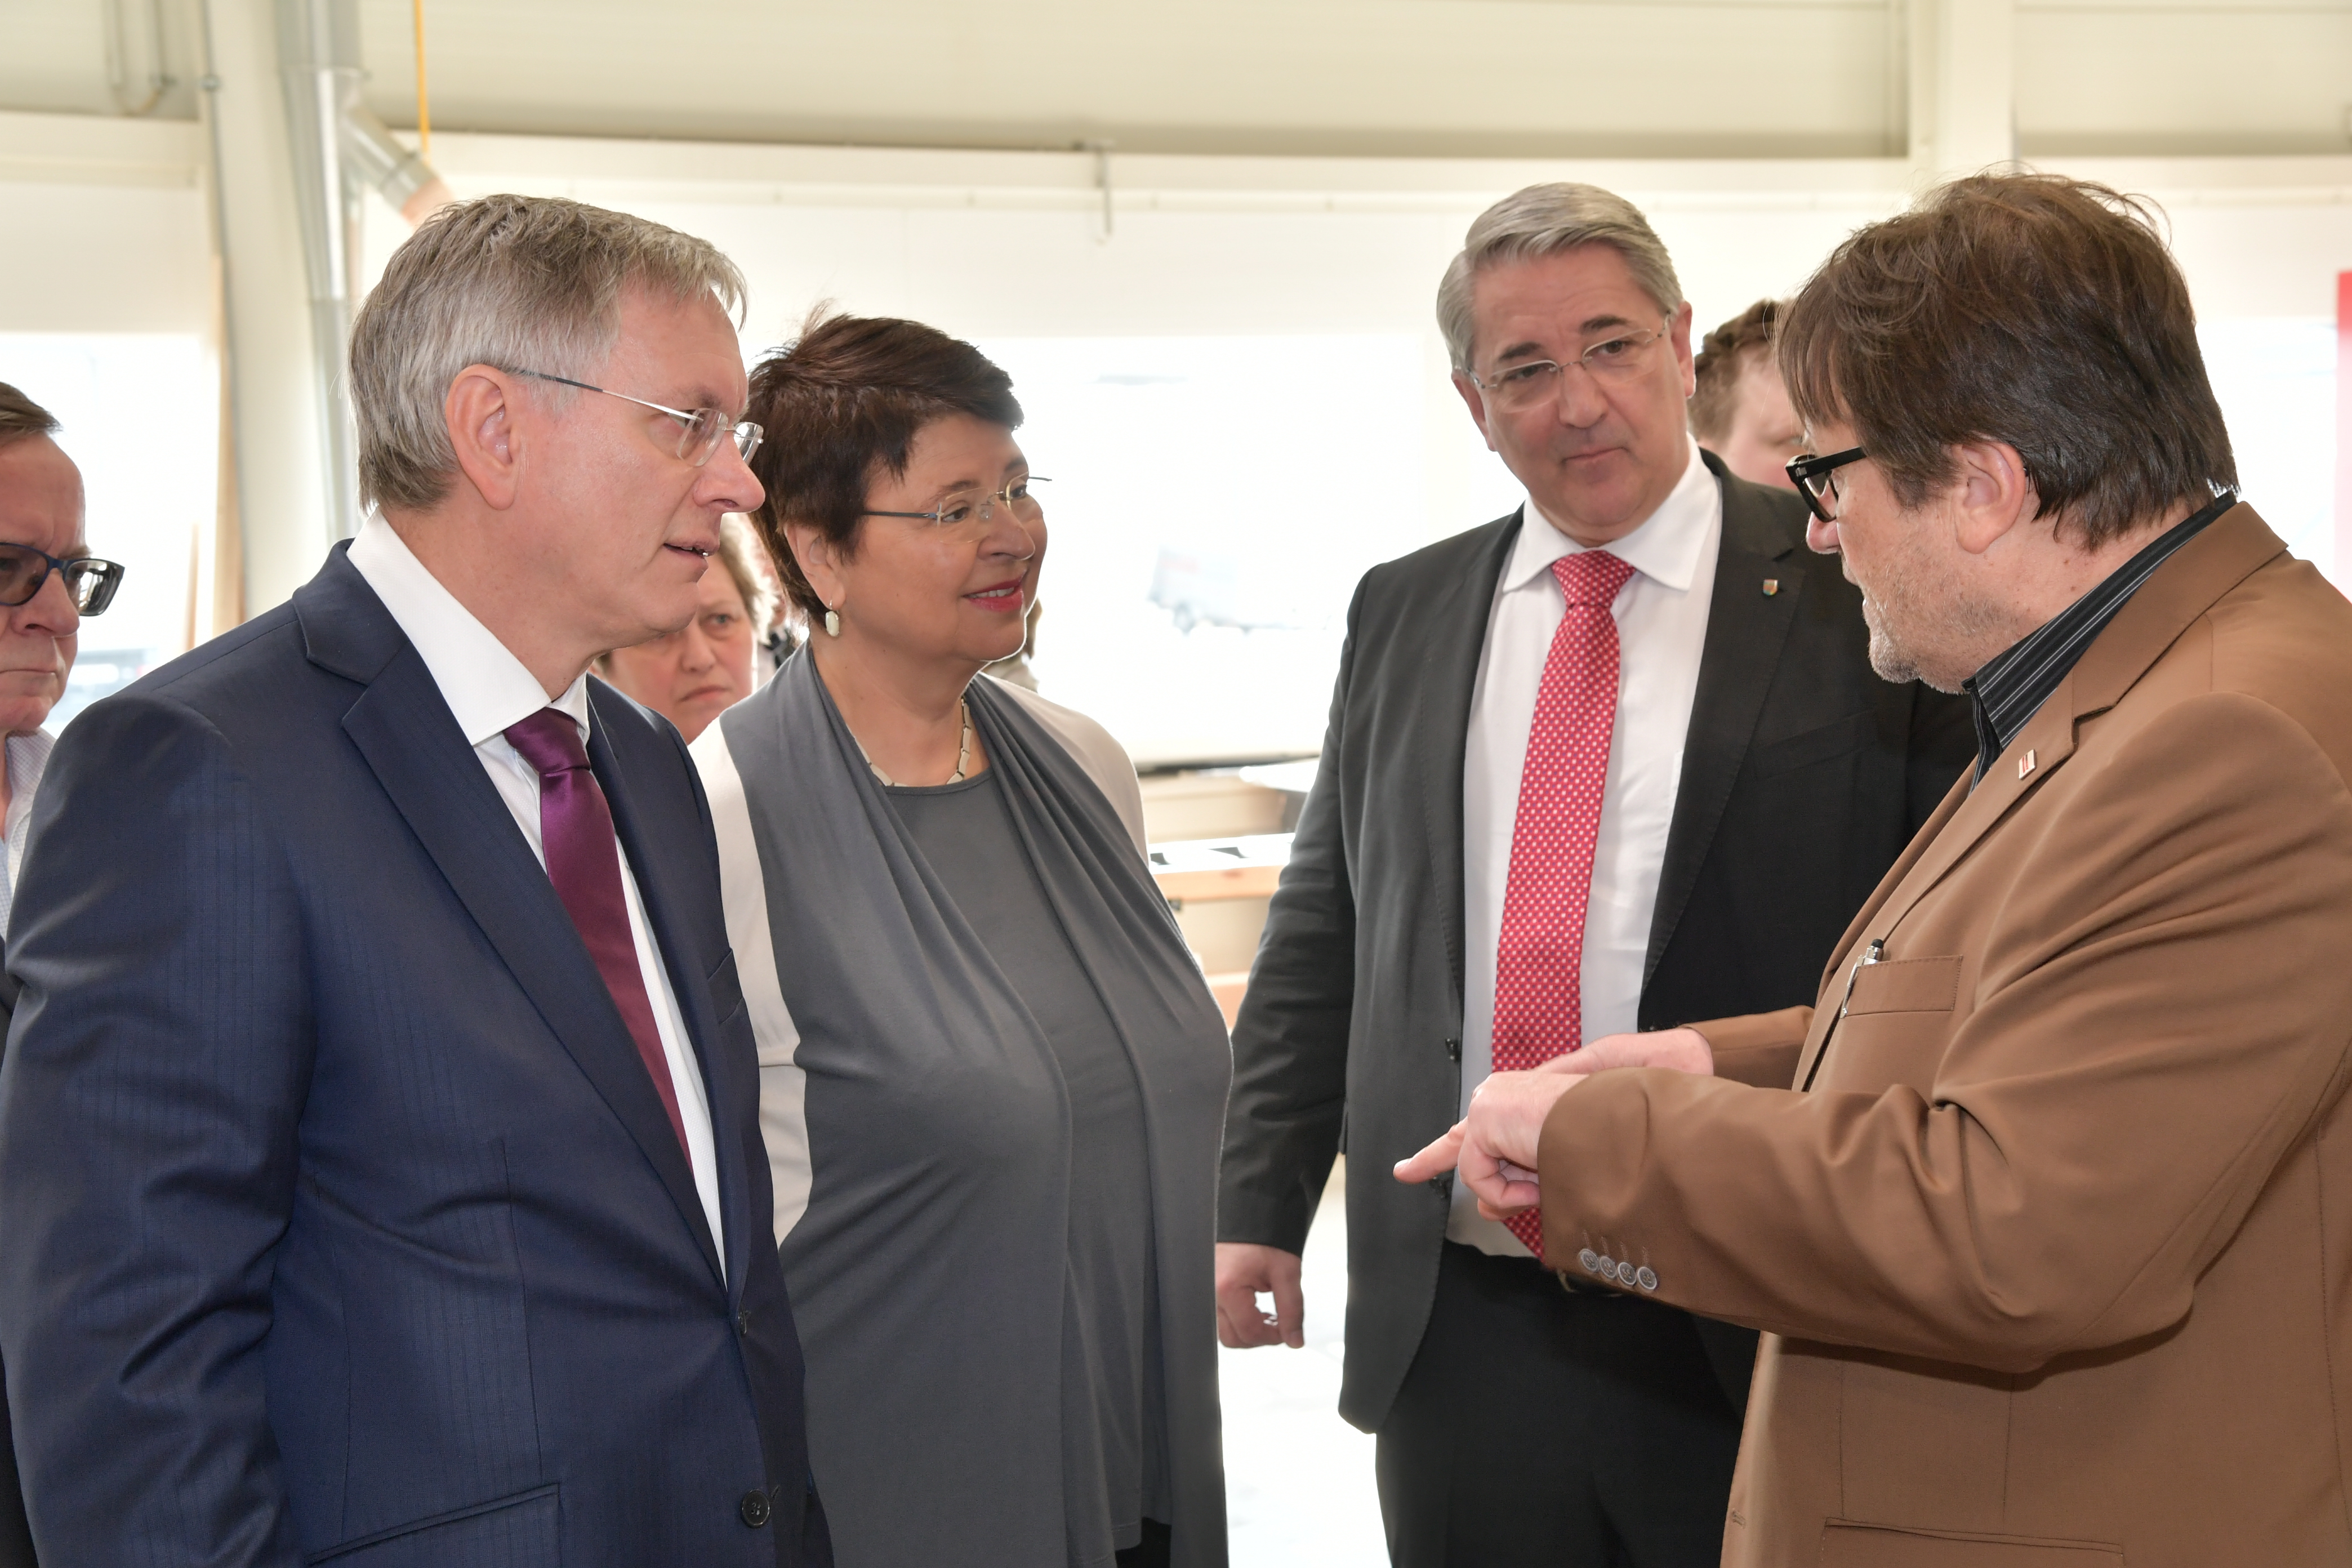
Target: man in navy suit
<point>381,1179</point>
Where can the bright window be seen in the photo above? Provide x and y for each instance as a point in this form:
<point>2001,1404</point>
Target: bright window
<point>1214,501</point>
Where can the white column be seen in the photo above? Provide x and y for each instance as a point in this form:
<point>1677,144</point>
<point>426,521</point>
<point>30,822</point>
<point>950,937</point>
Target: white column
<point>283,495</point>
<point>1963,86</point>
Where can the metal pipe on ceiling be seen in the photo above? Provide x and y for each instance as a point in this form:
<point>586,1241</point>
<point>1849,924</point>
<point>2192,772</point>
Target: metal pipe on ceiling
<point>341,153</point>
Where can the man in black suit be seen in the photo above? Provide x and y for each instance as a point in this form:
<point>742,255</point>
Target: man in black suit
<point>1614,761</point>
<point>381,1178</point>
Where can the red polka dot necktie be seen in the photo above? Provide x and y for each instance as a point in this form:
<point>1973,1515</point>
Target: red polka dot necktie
<point>1538,983</point>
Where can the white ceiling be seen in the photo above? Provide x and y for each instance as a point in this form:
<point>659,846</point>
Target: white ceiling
<point>1444,77</point>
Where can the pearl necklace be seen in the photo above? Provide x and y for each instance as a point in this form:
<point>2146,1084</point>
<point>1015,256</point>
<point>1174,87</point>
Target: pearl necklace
<point>963,752</point>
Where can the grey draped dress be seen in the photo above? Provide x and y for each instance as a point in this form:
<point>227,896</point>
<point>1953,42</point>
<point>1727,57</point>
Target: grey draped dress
<point>992,1087</point>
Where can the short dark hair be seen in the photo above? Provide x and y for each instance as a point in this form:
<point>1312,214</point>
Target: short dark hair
<point>842,405</point>
<point>2029,309</point>
<point>20,416</point>
<point>1723,357</point>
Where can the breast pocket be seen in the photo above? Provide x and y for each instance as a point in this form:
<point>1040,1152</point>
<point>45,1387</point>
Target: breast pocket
<point>1849,1545</point>
<point>1897,1021</point>
<point>519,1531</point>
<point>1841,738</point>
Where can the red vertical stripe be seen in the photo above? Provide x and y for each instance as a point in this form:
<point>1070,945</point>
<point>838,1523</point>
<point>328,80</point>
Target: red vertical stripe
<point>2344,431</point>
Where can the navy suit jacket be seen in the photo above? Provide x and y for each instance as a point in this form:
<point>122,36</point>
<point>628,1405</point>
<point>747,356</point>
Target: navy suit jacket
<point>342,1220</point>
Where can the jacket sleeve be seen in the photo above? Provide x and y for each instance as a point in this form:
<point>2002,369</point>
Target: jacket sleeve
<point>156,1069</point>
<point>1761,1048</point>
<point>1290,1042</point>
<point>2161,1013</point>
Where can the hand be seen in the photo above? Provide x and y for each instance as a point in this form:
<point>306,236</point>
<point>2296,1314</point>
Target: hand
<point>1246,1270</point>
<point>1493,1147</point>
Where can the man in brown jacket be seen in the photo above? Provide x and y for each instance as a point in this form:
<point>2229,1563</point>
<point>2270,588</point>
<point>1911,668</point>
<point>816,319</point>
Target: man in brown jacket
<point>2046,1204</point>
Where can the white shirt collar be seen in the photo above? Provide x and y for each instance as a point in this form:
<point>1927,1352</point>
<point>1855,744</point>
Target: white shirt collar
<point>486,685</point>
<point>1666,547</point>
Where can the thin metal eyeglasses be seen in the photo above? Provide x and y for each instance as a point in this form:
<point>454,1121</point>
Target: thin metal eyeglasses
<point>704,426</point>
<point>962,506</point>
<point>89,582</point>
<point>1816,479</point>
<point>1538,380</point>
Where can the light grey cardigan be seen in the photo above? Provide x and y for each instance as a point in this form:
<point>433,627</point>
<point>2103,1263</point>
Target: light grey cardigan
<point>918,1134</point>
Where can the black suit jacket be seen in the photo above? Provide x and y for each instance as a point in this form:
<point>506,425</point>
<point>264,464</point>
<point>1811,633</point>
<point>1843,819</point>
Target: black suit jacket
<point>342,1218</point>
<point>1803,775</point>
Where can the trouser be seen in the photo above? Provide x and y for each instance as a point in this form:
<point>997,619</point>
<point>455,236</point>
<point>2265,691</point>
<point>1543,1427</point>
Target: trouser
<point>1539,1428</point>
<point>1151,1552</point>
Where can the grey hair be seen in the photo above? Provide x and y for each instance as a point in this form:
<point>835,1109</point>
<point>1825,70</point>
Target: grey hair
<point>516,282</point>
<point>1544,220</point>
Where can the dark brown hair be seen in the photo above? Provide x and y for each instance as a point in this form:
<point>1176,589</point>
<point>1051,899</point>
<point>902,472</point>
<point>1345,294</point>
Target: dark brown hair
<point>1722,359</point>
<point>841,407</point>
<point>20,415</point>
<point>2028,308</point>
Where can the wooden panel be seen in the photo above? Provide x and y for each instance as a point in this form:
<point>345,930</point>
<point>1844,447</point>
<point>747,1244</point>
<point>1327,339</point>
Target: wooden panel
<point>1228,989</point>
<point>1202,887</point>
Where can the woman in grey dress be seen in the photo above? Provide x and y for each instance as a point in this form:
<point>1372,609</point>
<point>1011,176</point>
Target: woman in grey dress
<point>993,1077</point>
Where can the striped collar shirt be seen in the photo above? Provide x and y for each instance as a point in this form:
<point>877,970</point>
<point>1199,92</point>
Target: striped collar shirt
<point>2012,686</point>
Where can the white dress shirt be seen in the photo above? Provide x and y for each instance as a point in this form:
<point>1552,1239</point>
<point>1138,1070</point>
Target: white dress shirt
<point>1661,616</point>
<point>28,758</point>
<point>488,689</point>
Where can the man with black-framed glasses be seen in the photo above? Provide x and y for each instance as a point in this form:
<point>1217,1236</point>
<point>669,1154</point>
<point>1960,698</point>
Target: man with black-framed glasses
<point>43,597</point>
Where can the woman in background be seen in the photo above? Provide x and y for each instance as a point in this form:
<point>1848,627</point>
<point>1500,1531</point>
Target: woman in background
<point>696,672</point>
<point>992,1078</point>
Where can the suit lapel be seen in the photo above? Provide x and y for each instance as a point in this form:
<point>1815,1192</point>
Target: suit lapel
<point>655,869</point>
<point>2208,566</point>
<point>1454,634</point>
<point>403,728</point>
<point>1746,630</point>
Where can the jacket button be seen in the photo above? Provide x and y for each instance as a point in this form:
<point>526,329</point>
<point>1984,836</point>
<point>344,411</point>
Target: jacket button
<point>743,1322</point>
<point>1454,1050</point>
<point>754,1507</point>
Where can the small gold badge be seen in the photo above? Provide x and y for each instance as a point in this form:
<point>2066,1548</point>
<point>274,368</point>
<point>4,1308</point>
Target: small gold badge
<point>1771,586</point>
<point>2025,764</point>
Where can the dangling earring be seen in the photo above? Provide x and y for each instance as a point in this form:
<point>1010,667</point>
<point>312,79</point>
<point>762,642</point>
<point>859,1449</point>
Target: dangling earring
<point>833,622</point>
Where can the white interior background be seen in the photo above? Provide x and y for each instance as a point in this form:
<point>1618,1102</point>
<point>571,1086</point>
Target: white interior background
<point>1242,378</point>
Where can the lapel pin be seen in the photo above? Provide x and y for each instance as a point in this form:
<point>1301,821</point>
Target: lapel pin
<point>2025,764</point>
<point>1771,586</point>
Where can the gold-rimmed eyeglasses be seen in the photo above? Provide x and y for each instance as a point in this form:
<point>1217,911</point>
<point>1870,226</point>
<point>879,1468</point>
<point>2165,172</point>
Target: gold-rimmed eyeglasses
<point>959,507</point>
<point>1538,380</point>
<point>704,428</point>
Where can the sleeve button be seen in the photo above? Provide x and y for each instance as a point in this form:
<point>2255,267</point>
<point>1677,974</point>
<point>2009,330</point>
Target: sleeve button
<point>1646,1277</point>
<point>1591,1259</point>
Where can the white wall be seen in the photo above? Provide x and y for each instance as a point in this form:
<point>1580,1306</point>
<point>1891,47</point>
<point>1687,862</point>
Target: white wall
<point>1268,254</point>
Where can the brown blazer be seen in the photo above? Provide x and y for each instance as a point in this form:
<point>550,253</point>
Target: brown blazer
<point>2055,1257</point>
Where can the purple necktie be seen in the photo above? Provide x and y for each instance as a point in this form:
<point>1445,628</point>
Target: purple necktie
<point>584,861</point>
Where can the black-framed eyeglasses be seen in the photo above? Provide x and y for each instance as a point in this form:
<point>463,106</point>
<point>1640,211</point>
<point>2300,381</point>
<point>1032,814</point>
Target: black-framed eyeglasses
<point>704,426</point>
<point>89,582</point>
<point>1815,478</point>
<point>969,506</point>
